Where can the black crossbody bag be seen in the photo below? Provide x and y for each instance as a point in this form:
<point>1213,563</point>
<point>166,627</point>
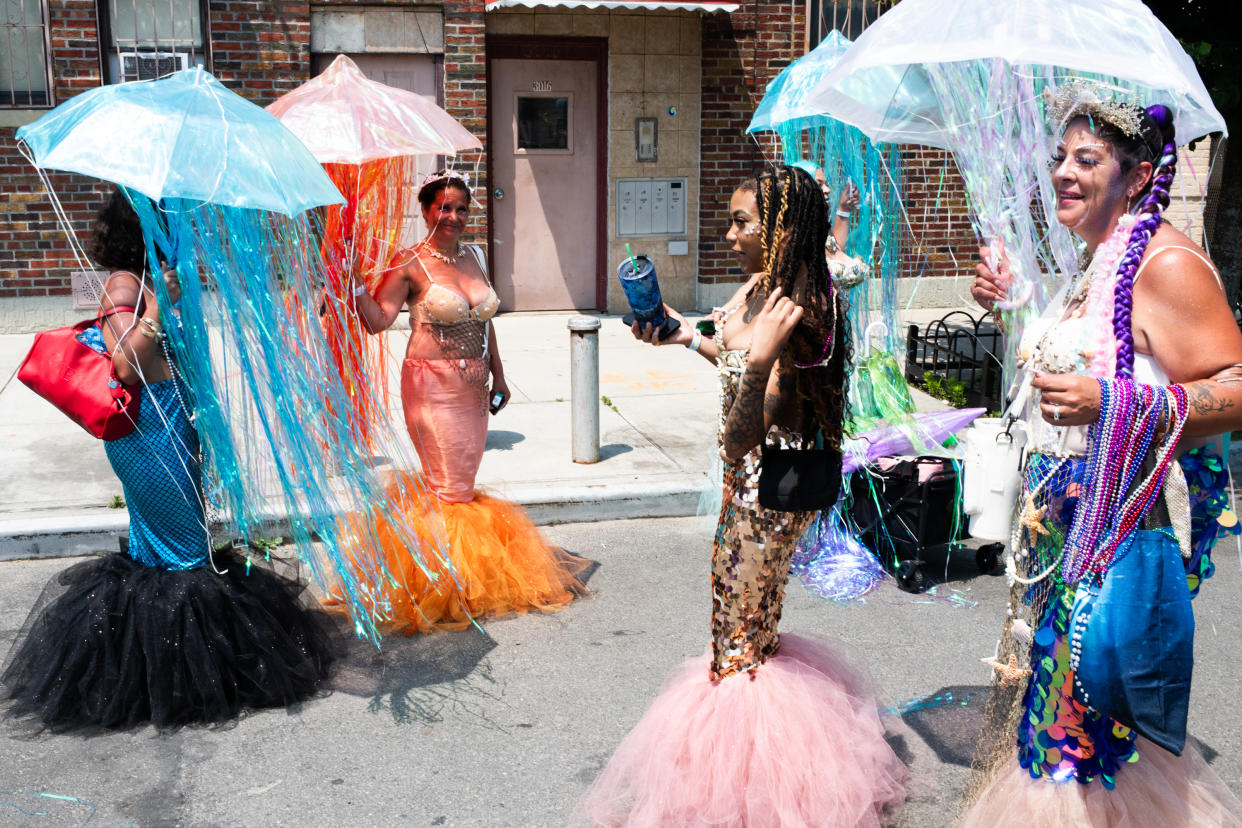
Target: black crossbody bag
<point>800,480</point>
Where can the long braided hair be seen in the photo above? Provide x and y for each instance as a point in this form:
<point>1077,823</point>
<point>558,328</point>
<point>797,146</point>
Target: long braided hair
<point>793,228</point>
<point>1155,143</point>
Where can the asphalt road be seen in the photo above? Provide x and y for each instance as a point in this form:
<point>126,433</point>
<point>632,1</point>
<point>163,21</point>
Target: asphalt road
<point>506,727</point>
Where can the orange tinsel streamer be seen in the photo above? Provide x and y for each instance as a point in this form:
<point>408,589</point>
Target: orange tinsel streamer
<point>360,239</point>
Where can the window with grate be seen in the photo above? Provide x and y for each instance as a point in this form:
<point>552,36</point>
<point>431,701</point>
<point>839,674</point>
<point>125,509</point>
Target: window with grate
<point>148,39</point>
<point>850,17</point>
<point>25,66</point>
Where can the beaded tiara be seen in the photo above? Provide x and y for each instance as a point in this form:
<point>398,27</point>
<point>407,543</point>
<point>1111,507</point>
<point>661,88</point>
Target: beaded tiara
<point>1095,100</point>
<point>452,175</point>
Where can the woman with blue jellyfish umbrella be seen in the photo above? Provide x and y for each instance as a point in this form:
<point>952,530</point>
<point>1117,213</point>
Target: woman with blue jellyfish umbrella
<point>168,632</point>
<point>221,191</point>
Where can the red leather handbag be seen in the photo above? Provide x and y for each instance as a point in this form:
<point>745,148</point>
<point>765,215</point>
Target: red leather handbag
<point>80,381</point>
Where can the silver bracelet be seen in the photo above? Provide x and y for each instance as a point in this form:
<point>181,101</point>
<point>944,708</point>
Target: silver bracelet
<point>843,214</point>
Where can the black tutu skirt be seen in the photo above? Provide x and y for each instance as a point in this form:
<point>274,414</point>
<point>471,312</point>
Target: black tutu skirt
<point>114,644</point>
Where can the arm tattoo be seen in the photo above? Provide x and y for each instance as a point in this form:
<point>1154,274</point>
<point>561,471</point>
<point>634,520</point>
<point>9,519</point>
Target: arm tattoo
<point>744,425</point>
<point>1204,402</point>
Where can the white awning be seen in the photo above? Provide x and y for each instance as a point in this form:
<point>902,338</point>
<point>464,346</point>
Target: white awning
<point>685,5</point>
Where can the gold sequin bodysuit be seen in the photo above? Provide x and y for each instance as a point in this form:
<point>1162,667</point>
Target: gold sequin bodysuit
<point>753,546</point>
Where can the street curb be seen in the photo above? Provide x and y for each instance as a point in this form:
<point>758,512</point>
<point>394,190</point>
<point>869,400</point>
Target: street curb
<point>62,534</point>
<point>71,534</point>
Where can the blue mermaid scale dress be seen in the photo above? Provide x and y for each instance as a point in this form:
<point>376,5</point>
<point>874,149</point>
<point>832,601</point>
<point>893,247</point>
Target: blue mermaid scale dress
<point>160,634</point>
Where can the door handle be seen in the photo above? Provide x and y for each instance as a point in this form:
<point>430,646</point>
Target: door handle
<point>498,194</point>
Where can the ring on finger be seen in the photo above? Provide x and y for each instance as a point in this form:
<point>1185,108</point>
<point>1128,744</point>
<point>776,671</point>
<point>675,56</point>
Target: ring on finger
<point>1056,413</point>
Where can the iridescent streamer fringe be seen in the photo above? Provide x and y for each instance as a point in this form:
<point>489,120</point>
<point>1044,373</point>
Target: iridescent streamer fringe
<point>273,419</point>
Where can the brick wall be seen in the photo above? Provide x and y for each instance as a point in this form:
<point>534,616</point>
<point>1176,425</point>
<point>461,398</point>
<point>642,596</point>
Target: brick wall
<point>943,243</point>
<point>465,89</point>
<point>34,259</point>
<point>742,52</point>
<point>259,49</point>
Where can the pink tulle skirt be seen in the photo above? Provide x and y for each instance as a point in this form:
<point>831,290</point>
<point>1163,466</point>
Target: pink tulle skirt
<point>798,742</point>
<point>1159,789</point>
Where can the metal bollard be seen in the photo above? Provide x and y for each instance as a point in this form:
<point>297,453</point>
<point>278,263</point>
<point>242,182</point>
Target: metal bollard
<point>584,387</point>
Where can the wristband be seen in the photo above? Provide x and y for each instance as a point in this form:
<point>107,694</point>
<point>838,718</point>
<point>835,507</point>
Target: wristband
<point>359,290</point>
<point>696,340</point>
<point>843,214</point>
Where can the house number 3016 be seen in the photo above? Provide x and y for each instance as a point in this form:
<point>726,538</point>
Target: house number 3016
<point>541,86</point>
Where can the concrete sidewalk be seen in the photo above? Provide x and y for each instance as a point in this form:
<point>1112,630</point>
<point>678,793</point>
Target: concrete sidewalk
<point>657,436</point>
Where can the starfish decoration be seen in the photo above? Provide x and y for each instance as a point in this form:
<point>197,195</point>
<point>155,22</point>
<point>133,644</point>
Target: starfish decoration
<point>1032,522</point>
<point>1011,675</point>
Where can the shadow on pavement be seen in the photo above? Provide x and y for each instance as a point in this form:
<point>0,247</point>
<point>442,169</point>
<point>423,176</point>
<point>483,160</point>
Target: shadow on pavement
<point>503,440</point>
<point>420,677</point>
<point>417,677</point>
<point>948,720</point>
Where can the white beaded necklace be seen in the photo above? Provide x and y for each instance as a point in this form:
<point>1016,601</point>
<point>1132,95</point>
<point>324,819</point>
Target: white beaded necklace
<point>442,256</point>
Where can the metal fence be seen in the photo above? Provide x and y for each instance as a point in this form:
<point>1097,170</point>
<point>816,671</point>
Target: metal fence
<point>960,350</point>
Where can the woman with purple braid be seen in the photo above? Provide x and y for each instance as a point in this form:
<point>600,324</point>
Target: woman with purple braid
<point>1133,370</point>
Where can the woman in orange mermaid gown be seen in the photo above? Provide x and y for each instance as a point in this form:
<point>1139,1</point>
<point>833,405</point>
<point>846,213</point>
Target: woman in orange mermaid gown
<point>502,564</point>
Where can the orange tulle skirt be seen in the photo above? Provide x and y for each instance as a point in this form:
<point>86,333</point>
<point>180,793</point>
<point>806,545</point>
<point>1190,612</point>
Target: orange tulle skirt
<point>503,565</point>
<point>478,556</point>
<point>1158,789</point>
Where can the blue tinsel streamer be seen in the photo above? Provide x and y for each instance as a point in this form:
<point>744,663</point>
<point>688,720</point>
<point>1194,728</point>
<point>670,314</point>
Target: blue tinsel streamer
<point>272,422</point>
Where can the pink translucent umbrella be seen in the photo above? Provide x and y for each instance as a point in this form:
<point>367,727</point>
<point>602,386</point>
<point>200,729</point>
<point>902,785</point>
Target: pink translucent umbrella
<point>344,118</point>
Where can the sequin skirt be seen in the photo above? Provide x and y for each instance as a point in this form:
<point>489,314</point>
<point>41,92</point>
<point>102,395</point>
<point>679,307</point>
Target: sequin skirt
<point>1058,737</point>
<point>750,565</point>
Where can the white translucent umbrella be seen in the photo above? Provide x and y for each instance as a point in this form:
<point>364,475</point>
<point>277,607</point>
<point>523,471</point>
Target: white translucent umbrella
<point>967,76</point>
<point>883,83</point>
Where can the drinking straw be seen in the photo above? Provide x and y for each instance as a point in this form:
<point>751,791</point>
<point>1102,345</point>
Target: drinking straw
<point>633,264</point>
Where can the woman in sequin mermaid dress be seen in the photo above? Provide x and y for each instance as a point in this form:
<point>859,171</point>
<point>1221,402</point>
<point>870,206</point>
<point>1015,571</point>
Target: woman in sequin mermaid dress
<point>1075,765</point>
<point>502,563</point>
<point>167,632</point>
<point>767,729</point>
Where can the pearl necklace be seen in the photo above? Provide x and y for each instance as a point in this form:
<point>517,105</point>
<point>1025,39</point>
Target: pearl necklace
<point>442,256</point>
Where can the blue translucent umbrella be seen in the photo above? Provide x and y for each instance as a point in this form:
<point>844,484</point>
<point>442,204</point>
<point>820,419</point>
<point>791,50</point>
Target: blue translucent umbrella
<point>785,100</point>
<point>183,136</point>
<point>844,154</point>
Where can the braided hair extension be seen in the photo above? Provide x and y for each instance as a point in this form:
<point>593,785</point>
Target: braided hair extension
<point>793,228</point>
<point>763,195</point>
<point>1155,143</point>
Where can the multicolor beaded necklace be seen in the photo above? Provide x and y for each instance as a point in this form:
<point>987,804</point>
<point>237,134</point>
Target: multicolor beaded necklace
<point>1130,416</point>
